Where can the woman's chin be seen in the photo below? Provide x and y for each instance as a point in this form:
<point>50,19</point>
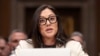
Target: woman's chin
<point>50,35</point>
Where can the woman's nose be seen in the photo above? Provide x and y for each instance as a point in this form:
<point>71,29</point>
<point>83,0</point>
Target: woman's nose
<point>48,22</point>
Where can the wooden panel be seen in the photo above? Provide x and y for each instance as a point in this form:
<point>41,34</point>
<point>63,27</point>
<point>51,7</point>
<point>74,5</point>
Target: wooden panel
<point>98,24</point>
<point>5,18</point>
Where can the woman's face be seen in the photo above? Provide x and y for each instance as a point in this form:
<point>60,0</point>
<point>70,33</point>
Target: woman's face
<point>48,23</point>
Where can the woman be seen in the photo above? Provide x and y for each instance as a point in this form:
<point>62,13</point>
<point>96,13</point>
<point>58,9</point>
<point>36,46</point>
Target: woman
<point>48,33</point>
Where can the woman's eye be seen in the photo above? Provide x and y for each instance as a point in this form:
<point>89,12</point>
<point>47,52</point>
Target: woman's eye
<point>42,20</point>
<point>52,18</point>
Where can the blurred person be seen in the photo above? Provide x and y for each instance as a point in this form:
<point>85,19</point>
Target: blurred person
<point>15,37</point>
<point>2,46</point>
<point>77,36</point>
<point>47,32</point>
<point>7,50</point>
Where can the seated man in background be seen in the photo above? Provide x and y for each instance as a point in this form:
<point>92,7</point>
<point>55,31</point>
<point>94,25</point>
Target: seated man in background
<point>77,36</point>
<point>15,37</point>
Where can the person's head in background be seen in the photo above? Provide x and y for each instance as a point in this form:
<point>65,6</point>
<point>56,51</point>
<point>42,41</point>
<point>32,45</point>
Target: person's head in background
<point>15,37</point>
<point>46,28</point>
<point>2,45</point>
<point>77,36</point>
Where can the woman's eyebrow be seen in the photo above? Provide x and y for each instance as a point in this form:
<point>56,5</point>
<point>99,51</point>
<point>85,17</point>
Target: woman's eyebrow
<point>52,15</point>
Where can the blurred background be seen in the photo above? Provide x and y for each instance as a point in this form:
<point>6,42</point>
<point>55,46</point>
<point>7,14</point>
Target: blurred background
<point>77,15</point>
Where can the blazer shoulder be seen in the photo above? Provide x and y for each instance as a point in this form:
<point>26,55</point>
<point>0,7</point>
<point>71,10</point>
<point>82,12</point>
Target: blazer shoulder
<point>25,43</point>
<point>76,48</point>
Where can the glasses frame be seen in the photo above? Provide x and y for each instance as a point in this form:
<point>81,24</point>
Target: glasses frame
<point>49,19</point>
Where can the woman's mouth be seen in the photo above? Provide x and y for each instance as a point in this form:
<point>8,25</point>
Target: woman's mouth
<point>49,30</point>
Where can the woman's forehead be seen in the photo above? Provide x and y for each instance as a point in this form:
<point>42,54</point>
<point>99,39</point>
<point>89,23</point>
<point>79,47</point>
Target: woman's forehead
<point>46,12</point>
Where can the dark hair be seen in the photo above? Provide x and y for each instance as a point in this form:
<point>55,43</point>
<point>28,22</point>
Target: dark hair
<point>61,38</point>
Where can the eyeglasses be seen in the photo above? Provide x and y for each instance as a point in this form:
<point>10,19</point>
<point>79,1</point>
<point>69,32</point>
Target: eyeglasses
<point>51,19</point>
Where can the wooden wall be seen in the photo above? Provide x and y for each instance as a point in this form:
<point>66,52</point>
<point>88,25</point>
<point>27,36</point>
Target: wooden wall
<point>98,24</point>
<point>4,17</point>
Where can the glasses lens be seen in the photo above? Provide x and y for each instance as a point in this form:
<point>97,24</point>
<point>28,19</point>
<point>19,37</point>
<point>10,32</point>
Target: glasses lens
<point>42,21</point>
<point>52,19</point>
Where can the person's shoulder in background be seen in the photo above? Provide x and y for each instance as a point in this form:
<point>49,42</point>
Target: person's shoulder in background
<point>76,48</point>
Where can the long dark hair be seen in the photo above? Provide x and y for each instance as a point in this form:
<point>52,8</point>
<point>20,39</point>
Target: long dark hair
<point>36,36</point>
